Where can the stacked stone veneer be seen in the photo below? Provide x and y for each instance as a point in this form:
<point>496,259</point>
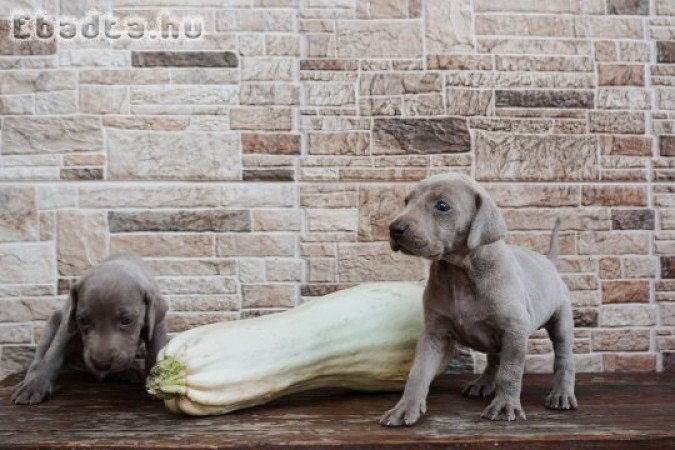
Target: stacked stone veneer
<point>259,167</point>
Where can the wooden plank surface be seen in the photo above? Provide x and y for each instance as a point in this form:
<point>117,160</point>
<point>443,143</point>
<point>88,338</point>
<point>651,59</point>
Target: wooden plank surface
<point>616,411</point>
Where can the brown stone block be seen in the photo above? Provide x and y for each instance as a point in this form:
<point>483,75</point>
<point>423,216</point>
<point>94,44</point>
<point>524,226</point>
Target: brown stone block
<point>625,291</point>
<point>621,75</point>
<point>585,317</point>
<point>459,62</point>
<point>626,145</point>
<point>184,59</point>
<point>317,290</point>
<point>276,144</point>
<point>628,7</point>
<point>329,64</point>
<point>544,99</point>
<point>668,267</point>
<point>629,363</point>
<point>189,220</point>
<point>633,219</point>
<point>356,143</point>
<point>420,136</point>
<point>80,174</point>
<point>613,196</point>
<point>278,174</point>
<point>665,52</point>
<point>667,145</point>
<point>10,45</point>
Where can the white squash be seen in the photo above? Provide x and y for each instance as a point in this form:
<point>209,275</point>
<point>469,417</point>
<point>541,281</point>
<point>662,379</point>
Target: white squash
<point>361,338</point>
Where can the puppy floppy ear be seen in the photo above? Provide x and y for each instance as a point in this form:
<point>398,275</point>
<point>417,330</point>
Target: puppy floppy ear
<point>71,308</point>
<point>155,310</point>
<point>488,225</point>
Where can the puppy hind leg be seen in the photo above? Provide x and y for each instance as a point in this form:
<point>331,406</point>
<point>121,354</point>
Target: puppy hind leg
<point>485,384</point>
<point>561,332</point>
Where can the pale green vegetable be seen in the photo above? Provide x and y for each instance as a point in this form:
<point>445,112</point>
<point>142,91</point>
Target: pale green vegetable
<point>361,338</point>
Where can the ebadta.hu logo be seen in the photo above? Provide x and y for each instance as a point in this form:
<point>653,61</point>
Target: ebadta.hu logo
<point>100,25</point>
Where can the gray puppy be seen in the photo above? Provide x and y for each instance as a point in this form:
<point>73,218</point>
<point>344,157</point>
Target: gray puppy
<point>481,293</point>
<point>111,311</point>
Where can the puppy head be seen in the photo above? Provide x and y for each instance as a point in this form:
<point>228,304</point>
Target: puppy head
<point>112,313</point>
<point>443,215</point>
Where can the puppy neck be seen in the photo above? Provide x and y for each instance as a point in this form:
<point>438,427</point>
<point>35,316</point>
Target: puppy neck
<point>472,260</point>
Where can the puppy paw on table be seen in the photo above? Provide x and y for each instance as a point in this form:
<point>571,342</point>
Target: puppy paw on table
<point>112,310</point>
<point>32,390</point>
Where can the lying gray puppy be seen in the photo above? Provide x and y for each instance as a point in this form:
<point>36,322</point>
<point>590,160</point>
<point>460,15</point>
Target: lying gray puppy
<point>112,309</point>
<point>481,293</point>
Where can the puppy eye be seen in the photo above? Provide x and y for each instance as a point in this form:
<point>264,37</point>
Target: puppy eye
<point>405,202</point>
<point>126,321</point>
<point>83,321</point>
<point>442,206</point>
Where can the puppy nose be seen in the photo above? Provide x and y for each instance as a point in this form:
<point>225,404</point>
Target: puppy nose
<point>396,229</point>
<point>102,363</point>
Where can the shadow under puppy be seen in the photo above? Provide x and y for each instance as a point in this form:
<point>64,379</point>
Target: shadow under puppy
<point>481,293</point>
<point>113,309</point>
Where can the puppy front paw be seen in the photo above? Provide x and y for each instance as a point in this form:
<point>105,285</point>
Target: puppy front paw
<point>31,391</point>
<point>479,387</point>
<point>561,399</point>
<point>405,413</point>
<point>504,409</point>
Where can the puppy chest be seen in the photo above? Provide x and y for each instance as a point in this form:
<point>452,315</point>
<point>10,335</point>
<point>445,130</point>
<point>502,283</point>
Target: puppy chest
<point>471,323</point>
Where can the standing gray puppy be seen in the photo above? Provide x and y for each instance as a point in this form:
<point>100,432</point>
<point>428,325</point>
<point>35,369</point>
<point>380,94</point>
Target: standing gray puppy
<point>111,310</point>
<point>481,293</point>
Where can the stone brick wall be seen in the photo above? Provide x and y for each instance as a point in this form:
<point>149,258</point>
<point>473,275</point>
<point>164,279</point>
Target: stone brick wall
<point>259,166</point>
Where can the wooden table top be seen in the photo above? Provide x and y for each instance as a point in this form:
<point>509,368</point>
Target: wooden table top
<point>616,411</point>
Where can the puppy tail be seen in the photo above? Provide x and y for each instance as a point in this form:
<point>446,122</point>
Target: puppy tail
<point>554,246</point>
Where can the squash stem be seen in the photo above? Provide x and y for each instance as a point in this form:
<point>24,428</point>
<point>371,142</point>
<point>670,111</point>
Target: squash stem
<point>167,379</point>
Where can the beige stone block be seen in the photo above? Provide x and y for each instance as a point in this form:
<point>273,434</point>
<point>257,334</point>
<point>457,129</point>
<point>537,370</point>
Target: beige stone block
<point>81,241</point>
<point>197,285</point>
<point>163,244</point>
<point>36,135</point>
<point>173,156</point>
<point>115,196</point>
<point>376,262</point>
<point>104,99</point>
<point>255,245</point>
<point>272,195</point>
<point>321,270</point>
<point>54,103</point>
<point>18,214</point>
<point>604,243</point>
<point>542,157</point>
<point>268,295</point>
<point>282,45</point>
<point>423,105</point>
<point>467,102</point>
<point>627,315</point>
<point>27,263</point>
<point>325,94</point>
<point>261,119</point>
<point>267,69</point>
<point>276,220</point>
<point>448,26</point>
<point>518,195</point>
<point>283,269</point>
<point>184,94</point>
<point>363,38</point>
<point>330,220</point>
